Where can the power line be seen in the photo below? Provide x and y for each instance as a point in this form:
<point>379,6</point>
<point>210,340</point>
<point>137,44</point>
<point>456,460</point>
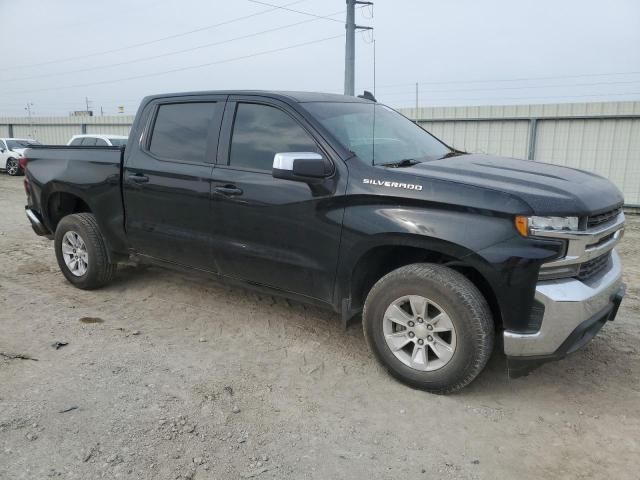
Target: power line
<point>105,18</point>
<point>162,55</point>
<point>150,42</point>
<point>536,97</point>
<point>570,85</point>
<point>190,67</point>
<point>496,80</point>
<point>284,7</point>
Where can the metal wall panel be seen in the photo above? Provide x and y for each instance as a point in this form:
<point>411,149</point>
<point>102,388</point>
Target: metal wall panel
<point>608,147</point>
<point>603,137</point>
<point>599,137</point>
<point>109,129</point>
<point>49,134</point>
<point>506,138</point>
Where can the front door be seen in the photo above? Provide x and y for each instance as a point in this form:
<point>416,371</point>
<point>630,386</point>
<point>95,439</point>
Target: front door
<point>279,233</point>
<point>167,180</point>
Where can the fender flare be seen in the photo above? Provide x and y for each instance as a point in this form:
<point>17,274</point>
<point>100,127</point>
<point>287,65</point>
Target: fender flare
<point>51,189</point>
<point>459,256</point>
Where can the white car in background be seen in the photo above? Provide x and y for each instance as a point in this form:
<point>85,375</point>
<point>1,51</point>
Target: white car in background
<point>96,140</point>
<point>11,151</point>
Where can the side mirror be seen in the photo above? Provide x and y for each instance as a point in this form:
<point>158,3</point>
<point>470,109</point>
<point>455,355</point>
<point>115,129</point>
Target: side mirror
<point>301,166</point>
<point>1,150</point>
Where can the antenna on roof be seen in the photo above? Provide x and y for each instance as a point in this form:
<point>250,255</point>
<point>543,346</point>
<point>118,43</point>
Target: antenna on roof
<point>367,95</point>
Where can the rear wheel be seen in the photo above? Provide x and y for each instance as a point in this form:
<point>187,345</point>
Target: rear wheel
<point>81,252</point>
<point>13,167</point>
<point>429,326</point>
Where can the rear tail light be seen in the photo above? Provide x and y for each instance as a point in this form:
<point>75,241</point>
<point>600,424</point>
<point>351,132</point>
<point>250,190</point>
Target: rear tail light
<point>23,165</point>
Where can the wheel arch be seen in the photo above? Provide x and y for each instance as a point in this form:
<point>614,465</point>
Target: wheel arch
<point>60,203</point>
<point>385,254</point>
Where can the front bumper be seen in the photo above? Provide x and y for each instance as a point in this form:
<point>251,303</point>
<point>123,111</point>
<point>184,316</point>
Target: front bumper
<point>574,311</point>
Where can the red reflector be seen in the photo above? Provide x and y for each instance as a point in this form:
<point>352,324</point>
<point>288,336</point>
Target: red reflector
<point>23,163</point>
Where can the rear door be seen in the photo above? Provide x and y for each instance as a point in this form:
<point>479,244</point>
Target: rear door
<point>167,180</point>
<point>278,233</point>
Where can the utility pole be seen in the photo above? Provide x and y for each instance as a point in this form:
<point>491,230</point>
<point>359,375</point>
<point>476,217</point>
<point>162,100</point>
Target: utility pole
<point>350,45</point>
<point>86,101</point>
<point>416,102</point>
<point>29,109</point>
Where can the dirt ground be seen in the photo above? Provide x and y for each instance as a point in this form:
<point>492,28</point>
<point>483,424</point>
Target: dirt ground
<point>168,376</point>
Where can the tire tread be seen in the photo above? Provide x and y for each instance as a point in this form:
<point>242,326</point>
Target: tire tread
<point>103,266</point>
<point>467,293</point>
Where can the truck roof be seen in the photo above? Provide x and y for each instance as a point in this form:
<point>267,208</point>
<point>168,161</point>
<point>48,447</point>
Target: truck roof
<point>288,96</point>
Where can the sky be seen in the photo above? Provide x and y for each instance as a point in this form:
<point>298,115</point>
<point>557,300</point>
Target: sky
<point>57,54</point>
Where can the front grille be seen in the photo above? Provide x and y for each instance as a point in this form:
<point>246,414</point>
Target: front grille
<point>601,218</point>
<point>593,266</point>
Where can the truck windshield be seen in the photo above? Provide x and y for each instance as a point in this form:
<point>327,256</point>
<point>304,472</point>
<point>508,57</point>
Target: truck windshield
<point>377,134</point>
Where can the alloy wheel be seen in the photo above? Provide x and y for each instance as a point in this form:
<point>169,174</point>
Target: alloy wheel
<point>419,333</point>
<point>74,252</point>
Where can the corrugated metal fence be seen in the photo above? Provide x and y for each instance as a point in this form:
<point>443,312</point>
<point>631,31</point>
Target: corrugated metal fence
<point>603,138</point>
<point>58,130</point>
<point>600,137</point>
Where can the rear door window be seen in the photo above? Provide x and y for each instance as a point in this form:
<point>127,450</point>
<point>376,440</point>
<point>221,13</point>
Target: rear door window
<point>261,131</point>
<point>89,142</point>
<point>182,130</point>
<point>101,143</point>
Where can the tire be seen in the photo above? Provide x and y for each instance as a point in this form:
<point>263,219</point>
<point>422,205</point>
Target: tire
<point>93,268</point>
<point>455,347</point>
<point>13,167</point>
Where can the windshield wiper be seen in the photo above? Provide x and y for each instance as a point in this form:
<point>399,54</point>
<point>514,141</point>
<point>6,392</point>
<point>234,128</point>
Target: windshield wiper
<point>452,153</point>
<point>405,162</point>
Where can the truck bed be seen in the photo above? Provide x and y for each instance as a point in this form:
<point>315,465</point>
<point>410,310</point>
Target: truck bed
<point>90,173</point>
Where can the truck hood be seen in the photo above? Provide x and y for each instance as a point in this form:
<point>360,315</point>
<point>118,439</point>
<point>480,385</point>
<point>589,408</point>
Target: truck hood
<point>547,189</point>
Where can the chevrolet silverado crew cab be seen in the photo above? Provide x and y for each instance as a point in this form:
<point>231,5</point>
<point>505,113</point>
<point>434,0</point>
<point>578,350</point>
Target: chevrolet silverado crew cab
<point>344,203</point>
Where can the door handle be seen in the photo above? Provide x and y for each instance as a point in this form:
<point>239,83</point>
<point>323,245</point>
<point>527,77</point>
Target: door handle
<point>138,178</point>
<point>228,190</point>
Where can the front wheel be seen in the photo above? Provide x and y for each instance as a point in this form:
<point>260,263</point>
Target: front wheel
<point>429,326</point>
<point>81,252</point>
<point>13,167</point>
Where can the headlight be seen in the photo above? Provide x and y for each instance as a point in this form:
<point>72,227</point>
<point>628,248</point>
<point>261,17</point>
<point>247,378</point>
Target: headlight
<point>525,225</point>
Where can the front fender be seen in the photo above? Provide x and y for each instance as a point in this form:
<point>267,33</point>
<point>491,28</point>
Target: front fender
<point>486,243</point>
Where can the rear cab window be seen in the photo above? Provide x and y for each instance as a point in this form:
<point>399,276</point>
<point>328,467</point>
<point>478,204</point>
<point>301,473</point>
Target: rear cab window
<point>182,131</point>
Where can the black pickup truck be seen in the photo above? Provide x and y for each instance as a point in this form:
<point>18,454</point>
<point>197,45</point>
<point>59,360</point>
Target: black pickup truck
<point>344,203</point>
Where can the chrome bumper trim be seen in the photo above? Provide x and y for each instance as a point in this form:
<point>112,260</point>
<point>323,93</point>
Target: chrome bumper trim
<point>582,246</point>
<point>37,225</point>
<point>568,302</point>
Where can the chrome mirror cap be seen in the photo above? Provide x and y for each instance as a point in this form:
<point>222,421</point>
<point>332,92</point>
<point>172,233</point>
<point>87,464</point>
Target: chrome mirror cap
<point>284,160</point>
